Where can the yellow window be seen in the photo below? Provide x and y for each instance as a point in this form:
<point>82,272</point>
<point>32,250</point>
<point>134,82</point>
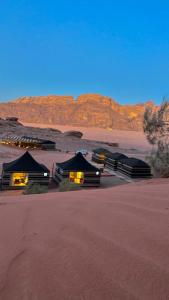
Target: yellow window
<point>76,177</point>
<point>19,179</point>
<point>102,156</point>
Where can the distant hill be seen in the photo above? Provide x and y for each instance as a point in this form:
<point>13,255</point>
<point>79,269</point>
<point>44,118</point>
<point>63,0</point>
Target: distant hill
<point>89,110</point>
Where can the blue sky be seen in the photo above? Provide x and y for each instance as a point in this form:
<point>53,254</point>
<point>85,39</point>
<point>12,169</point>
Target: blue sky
<point>69,47</point>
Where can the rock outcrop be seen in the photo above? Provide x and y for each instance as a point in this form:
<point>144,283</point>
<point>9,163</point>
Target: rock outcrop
<point>74,133</point>
<point>89,110</point>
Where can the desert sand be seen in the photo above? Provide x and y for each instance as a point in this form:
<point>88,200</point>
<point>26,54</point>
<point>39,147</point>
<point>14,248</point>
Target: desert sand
<point>94,244</point>
<point>97,244</point>
<point>126,138</point>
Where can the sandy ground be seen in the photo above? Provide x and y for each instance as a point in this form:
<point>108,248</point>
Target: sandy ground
<point>94,244</point>
<point>126,139</point>
<point>97,244</point>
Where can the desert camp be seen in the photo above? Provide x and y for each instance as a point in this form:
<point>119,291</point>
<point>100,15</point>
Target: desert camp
<point>84,150</point>
<point>28,142</point>
<point>19,173</point>
<point>77,170</point>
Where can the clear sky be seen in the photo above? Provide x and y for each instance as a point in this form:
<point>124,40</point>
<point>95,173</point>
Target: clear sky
<point>119,48</point>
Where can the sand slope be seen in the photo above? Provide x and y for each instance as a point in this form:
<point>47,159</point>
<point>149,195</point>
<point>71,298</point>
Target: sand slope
<point>126,138</point>
<point>96,244</point>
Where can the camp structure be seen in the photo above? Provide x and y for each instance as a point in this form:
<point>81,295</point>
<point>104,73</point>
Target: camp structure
<point>38,143</point>
<point>112,160</point>
<point>99,155</point>
<point>28,142</point>
<point>20,172</point>
<point>134,168</point>
<point>77,170</point>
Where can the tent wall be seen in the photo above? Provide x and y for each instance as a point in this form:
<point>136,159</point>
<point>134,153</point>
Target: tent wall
<point>98,158</point>
<point>90,178</point>
<point>99,155</point>
<point>32,177</point>
<point>112,162</point>
<point>134,172</point>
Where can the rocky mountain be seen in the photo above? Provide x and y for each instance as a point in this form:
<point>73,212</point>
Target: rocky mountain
<point>88,110</point>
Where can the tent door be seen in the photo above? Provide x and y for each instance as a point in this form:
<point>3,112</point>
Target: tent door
<point>19,179</point>
<point>76,177</point>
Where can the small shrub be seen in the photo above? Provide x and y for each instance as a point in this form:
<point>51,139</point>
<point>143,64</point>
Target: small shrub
<point>159,161</point>
<point>35,188</point>
<point>155,123</point>
<point>66,186</point>
<point>156,129</point>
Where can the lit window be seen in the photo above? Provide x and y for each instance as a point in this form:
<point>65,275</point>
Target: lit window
<point>76,177</point>
<point>101,156</point>
<point>19,179</point>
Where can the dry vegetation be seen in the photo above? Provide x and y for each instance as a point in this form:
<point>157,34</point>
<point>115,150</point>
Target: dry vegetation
<point>156,128</point>
<point>66,186</point>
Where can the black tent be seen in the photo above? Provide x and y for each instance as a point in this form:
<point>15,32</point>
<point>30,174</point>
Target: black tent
<point>39,143</point>
<point>78,170</point>
<point>112,160</point>
<point>29,142</point>
<point>18,173</point>
<point>134,167</point>
<point>99,155</point>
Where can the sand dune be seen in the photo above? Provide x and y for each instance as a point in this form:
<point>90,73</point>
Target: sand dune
<point>96,244</point>
<point>99,244</point>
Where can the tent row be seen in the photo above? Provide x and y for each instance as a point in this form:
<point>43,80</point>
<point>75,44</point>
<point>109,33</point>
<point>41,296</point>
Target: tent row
<point>130,166</point>
<point>20,172</point>
<point>28,142</point>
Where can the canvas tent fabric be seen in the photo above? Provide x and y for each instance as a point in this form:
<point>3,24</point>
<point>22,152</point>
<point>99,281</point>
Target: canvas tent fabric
<point>24,163</point>
<point>116,155</point>
<point>77,163</point>
<point>134,162</point>
<point>29,142</point>
<point>134,167</point>
<point>112,159</point>
<point>20,172</point>
<point>99,155</point>
<point>37,140</point>
<point>101,151</point>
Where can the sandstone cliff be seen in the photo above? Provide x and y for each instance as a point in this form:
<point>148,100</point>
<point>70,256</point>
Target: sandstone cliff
<point>89,110</point>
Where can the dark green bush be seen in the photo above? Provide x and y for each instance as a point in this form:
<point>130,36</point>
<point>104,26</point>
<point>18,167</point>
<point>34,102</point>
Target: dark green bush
<point>66,186</point>
<point>35,188</point>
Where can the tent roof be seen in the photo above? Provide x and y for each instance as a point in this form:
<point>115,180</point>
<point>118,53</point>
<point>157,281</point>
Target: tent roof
<point>38,140</point>
<point>134,162</point>
<point>25,163</point>
<point>77,163</point>
<point>102,151</point>
<point>117,155</point>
